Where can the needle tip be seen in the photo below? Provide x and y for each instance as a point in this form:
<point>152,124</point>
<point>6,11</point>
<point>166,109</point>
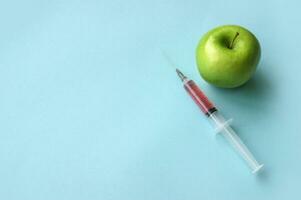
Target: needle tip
<point>168,59</point>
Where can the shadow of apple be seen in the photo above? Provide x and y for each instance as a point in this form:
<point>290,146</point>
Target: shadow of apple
<point>252,99</point>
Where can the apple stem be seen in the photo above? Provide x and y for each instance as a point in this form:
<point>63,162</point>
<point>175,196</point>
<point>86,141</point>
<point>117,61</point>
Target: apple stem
<point>232,42</point>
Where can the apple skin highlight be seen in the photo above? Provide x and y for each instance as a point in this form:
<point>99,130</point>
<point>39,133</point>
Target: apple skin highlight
<point>227,56</point>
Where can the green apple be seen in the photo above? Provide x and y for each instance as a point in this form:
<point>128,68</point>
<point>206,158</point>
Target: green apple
<point>227,56</point>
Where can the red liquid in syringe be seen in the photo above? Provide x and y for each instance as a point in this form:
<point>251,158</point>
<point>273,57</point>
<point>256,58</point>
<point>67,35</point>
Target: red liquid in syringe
<point>199,97</point>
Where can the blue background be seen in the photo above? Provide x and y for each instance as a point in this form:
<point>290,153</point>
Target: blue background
<point>89,108</point>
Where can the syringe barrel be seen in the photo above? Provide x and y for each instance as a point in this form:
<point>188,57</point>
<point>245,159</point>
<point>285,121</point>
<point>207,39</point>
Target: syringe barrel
<point>199,97</point>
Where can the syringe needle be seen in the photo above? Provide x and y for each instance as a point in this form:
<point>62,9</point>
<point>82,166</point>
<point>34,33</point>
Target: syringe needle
<point>169,60</point>
<point>180,74</point>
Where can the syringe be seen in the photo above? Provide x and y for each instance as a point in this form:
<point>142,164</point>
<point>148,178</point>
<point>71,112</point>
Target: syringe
<point>222,126</point>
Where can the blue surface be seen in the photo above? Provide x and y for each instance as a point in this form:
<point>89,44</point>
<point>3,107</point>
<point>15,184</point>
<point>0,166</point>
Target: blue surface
<point>91,110</point>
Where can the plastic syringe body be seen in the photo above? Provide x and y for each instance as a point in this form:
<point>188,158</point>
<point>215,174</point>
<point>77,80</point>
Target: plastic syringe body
<point>222,126</point>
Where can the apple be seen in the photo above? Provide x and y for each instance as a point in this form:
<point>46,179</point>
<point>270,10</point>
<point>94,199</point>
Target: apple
<point>227,56</point>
